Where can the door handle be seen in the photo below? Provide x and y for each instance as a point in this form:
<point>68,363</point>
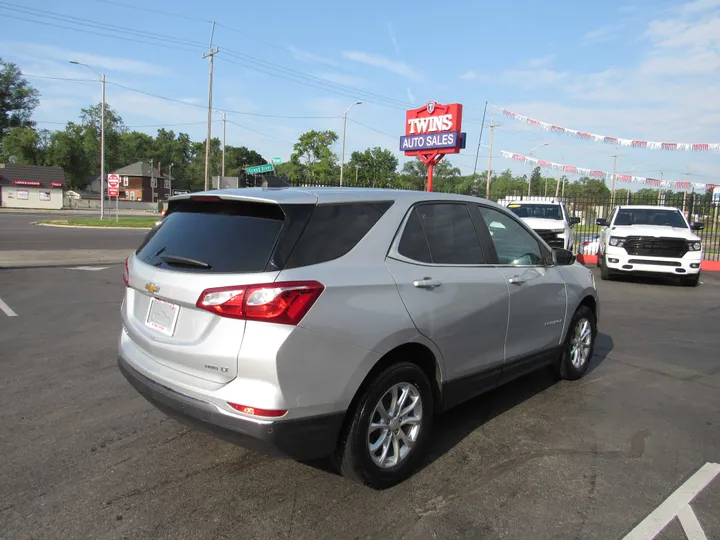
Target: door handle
<point>426,283</point>
<point>517,280</point>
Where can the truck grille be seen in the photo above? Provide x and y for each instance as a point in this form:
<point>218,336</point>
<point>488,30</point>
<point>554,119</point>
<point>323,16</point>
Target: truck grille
<point>648,246</point>
<point>654,262</point>
<point>551,238</point>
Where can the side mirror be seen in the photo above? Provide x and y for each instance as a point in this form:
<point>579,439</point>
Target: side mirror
<point>563,257</point>
<point>602,222</point>
<point>574,221</point>
<point>697,226</point>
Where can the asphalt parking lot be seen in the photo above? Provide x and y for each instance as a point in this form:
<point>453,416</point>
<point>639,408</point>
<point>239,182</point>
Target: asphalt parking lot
<point>84,456</point>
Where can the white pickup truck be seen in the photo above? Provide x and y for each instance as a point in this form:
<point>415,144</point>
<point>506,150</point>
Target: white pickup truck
<point>651,240</point>
<point>550,219</point>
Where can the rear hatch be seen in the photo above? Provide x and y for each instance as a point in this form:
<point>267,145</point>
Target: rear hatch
<point>204,242</point>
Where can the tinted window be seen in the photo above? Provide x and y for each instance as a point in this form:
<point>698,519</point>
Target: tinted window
<point>514,244</point>
<point>214,236</point>
<point>450,234</point>
<point>646,216</point>
<point>333,230</point>
<point>413,243</point>
<point>541,211</point>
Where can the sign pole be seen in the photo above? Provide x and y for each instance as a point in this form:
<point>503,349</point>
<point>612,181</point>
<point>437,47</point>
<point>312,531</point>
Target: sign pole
<point>117,212</point>
<point>431,167</point>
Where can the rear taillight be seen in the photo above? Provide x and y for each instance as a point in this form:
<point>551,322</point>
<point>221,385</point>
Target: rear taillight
<point>272,413</point>
<point>126,273</point>
<point>283,303</point>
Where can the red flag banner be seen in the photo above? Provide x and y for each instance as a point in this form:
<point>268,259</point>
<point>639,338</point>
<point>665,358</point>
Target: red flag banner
<point>618,141</point>
<point>683,186</point>
<point>624,178</point>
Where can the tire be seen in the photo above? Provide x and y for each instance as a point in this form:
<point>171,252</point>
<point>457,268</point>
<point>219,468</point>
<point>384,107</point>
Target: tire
<point>691,281</point>
<point>354,457</point>
<point>605,273</point>
<point>567,368</point>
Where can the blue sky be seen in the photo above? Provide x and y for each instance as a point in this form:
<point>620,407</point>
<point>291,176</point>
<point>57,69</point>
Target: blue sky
<point>647,70</point>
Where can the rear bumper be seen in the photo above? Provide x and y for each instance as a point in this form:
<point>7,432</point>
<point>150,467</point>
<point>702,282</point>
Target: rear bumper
<point>299,439</point>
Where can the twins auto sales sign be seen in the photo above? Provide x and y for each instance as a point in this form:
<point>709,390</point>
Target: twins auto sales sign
<point>433,129</point>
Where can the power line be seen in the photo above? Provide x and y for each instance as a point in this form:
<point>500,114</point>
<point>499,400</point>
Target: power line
<point>57,78</point>
<point>259,132</point>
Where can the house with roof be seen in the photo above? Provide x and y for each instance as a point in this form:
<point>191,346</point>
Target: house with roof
<point>140,181</point>
<point>31,186</point>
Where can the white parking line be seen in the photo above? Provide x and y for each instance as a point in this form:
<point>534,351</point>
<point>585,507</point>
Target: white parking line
<point>9,312</point>
<point>89,268</point>
<point>678,504</point>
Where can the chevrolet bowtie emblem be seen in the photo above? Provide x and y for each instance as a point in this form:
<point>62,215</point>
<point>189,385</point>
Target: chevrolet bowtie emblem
<point>151,288</point>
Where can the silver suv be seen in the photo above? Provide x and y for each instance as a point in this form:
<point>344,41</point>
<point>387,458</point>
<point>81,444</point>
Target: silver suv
<point>340,322</point>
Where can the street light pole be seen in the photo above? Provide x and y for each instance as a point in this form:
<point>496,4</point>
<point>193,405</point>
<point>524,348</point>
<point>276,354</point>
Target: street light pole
<point>170,175</point>
<point>102,136</point>
<point>342,156</point>
<point>532,152</point>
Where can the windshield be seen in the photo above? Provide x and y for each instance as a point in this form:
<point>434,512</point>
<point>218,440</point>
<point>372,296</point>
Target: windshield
<point>650,216</point>
<point>541,211</point>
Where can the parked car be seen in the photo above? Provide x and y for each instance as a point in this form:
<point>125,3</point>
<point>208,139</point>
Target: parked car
<point>550,219</point>
<point>651,240</point>
<point>338,322</point>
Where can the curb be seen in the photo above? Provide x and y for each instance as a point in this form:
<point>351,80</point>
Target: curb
<point>90,227</point>
<point>708,266</point>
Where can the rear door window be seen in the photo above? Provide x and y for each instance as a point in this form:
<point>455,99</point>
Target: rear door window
<point>220,236</point>
<point>333,230</point>
<point>449,233</point>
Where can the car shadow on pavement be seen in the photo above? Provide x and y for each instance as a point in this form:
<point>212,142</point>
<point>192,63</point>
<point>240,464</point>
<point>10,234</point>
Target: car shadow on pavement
<point>453,426</point>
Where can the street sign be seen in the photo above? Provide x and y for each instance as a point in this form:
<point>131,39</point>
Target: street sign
<point>260,169</point>
<point>113,192</point>
<point>113,181</point>
<point>277,161</point>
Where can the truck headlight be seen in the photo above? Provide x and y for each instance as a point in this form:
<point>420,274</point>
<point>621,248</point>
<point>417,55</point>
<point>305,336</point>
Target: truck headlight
<point>617,242</point>
<point>694,246</point>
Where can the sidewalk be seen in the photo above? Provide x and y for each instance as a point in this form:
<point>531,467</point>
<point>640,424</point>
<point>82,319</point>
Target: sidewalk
<point>26,258</point>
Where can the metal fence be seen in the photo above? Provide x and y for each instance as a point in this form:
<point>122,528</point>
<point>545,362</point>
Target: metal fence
<point>589,207</point>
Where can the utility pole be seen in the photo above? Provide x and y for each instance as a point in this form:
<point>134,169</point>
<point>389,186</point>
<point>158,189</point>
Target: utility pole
<point>211,54</point>
<point>222,174</point>
<point>687,175</point>
<point>612,196</point>
<point>662,175</point>
<point>357,168</point>
<point>489,171</point>
<point>477,154</point>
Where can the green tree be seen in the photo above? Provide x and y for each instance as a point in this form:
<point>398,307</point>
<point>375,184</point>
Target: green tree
<point>114,129</point>
<point>414,176</point>
<point>136,146</point>
<point>27,145</point>
<point>238,158</point>
<point>537,185</point>
<point>373,167</point>
<point>67,150</point>
<point>313,152</point>
<point>18,99</point>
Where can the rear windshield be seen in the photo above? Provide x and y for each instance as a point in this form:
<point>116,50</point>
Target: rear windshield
<point>214,236</point>
<point>647,216</point>
<point>541,211</point>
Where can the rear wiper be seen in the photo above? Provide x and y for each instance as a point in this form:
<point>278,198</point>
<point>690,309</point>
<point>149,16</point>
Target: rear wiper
<point>184,261</point>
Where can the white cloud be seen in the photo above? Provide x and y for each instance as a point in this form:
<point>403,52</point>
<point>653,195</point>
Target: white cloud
<point>381,62</point>
<point>469,75</point>
<point>541,62</point>
<point>342,78</point>
<point>602,34</point>
<point>411,96</point>
<point>305,56</point>
<point>393,38</point>
<point>41,52</point>
<point>700,5</point>
<point>532,78</point>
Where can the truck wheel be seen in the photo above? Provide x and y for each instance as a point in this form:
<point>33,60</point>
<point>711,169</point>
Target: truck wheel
<point>691,281</point>
<point>389,428</point>
<point>605,273</point>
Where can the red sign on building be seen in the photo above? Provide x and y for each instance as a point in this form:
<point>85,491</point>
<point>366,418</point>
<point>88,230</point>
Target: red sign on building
<point>431,132</point>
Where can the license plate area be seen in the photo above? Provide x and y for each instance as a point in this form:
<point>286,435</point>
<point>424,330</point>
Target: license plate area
<point>162,316</point>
